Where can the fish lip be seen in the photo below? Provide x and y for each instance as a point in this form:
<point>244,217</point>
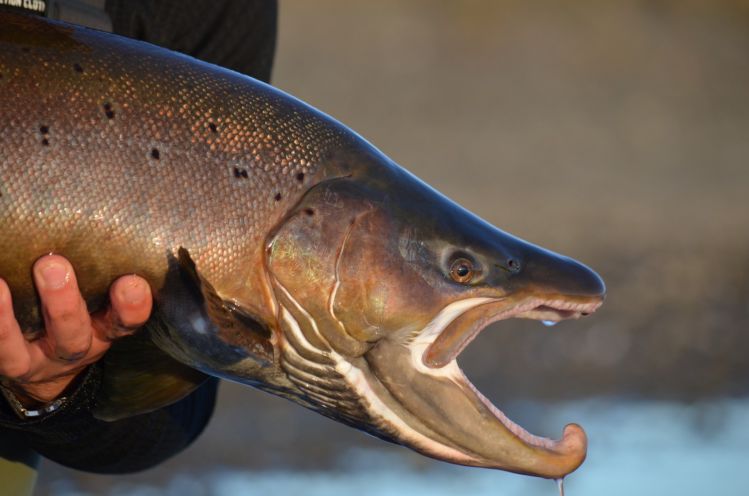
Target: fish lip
<point>456,335</point>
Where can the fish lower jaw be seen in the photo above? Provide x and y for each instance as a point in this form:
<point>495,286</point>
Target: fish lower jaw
<point>456,374</point>
<point>517,430</point>
<point>555,457</point>
<point>482,312</point>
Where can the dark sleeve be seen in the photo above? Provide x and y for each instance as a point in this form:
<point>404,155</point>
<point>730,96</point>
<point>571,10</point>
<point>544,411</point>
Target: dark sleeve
<point>237,34</point>
<point>74,438</point>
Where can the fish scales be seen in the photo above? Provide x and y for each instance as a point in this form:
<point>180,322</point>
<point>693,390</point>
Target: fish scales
<point>172,152</point>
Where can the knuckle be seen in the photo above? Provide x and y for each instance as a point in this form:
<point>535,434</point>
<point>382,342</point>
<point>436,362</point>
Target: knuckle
<point>72,349</point>
<point>64,313</point>
<point>71,355</point>
<point>60,314</point>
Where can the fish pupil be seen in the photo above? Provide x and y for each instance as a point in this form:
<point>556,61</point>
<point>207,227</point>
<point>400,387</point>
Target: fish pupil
<point>461,270</point>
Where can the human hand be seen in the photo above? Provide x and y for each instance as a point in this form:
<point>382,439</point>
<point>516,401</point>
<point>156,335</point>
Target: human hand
<point>39,371</point>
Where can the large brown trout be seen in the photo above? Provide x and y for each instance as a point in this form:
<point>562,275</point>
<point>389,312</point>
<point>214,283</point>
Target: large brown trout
<point>285,252</point>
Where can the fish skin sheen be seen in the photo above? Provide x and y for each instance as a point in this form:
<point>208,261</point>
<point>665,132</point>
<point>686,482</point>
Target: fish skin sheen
<point>284,251</point>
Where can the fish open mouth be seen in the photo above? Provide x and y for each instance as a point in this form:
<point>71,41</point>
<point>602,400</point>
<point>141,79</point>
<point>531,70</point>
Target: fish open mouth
<point>438,347</point>
<point>458,333</point>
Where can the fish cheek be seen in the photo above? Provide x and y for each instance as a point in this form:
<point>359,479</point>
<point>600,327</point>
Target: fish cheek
<point>382,293</point>
<point>340,256</point>
<point>303,262</point>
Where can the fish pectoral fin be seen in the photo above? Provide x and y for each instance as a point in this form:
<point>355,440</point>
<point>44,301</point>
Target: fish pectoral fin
<point>203,326</point>
<point>223,313</point>
<point>191,324</point>
<point>138,377</point>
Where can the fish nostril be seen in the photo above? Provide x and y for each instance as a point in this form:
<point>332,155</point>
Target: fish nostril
<point>513,265</point>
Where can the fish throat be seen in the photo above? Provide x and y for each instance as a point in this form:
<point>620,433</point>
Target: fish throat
<point>345,388</point>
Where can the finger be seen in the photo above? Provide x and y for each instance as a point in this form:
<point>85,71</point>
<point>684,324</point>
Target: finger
<point>66,319</point>
<point>15,360</point>
<point>131,303</point>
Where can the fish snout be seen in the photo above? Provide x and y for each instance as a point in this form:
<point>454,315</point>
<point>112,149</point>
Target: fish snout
<point>542,271</point>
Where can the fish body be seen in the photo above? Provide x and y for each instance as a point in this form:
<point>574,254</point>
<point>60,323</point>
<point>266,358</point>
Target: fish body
<point>285,251</point>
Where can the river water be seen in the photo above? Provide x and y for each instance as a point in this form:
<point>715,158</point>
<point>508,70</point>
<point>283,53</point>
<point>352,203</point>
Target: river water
<point>635,448</point>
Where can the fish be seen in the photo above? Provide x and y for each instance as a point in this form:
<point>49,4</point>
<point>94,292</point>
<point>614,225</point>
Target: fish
<point>285,252</point>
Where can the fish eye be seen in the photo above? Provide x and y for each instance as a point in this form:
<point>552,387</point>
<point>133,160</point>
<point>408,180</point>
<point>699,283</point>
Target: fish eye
<point>462,270</point>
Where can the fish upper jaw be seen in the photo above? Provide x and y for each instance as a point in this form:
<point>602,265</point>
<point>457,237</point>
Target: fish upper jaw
<point>447,335</point>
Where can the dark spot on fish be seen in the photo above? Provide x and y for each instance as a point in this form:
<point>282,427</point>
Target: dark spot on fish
<point>241,173</point>
<point>108,111</point>
<point>309,211</point>
<point>278,197</point>
<point>300,177</point>
<point>44,129</point>
<point>212,127</point>
<point>25,49</point>
<point>45,142</point>
<point>155,154</point>
<point>77,67</point>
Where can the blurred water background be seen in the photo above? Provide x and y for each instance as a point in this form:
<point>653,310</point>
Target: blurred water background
<point>614,132</point>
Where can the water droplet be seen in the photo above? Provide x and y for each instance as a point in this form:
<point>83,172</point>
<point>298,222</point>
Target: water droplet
<point>549,323</point>
<point>560,485</point>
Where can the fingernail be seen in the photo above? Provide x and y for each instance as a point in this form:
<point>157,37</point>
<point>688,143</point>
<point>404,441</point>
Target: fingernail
<point>133,292</point>
<point>55,276</point>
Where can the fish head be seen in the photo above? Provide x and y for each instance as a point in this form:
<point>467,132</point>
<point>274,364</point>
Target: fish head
<point>380,282</point>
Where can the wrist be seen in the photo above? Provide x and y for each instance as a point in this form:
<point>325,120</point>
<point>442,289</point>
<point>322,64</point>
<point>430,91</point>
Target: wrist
<point>25,410</point>
<point>36,400</point>
<point>35,394</point>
